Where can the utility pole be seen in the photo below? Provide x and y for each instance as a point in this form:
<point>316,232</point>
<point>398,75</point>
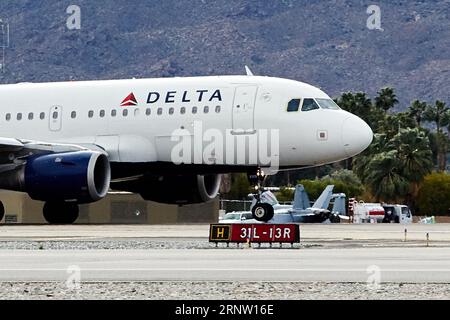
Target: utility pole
<point>4,42</point>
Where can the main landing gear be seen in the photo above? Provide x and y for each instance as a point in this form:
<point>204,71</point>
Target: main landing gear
<point>61,212</point>
<point>55,212</point>
<point>260,211</point>
<point>2,211</point>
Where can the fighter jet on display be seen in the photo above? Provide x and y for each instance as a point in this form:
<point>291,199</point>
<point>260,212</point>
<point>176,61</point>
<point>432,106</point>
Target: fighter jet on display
<point>167,139</point>
<point>300,210</point>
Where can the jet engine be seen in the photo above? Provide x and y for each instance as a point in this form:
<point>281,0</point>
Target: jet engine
<point>81,177</point>
<point>175,189</point>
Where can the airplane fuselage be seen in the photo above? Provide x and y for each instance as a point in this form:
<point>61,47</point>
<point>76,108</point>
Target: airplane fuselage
<point>138,121</point>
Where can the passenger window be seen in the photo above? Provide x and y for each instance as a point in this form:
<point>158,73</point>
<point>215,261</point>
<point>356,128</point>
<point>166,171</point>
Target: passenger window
<point>55,115</point>
<point>8,116</point>
<point>206,109</point>
<point>30,116</point>
<point>171,110</point>
<point>159,111</point>
<point>148,111</point>
<point>217,109</point>
<point>19,116</point>
<point>90,114</point>
<point>42,116</point>
<point>194,110</point>
<point>293,105</point>
<point>102,113</point>
<point>136,112</point>
<point>125,112</point>
<point>309,104</point>
<point>73,115</point>
<point>113,113</point>
<point>183,110</point>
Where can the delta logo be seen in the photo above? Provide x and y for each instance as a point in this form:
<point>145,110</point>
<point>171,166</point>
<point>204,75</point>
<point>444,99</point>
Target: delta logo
<point>130,100</point>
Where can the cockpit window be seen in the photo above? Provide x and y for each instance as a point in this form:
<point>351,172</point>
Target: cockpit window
<point>328,104</point>
<point>293,105</point>
<point>309,104</point>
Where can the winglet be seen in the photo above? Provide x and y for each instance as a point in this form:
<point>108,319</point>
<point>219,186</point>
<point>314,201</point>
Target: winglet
<point>248,71</point>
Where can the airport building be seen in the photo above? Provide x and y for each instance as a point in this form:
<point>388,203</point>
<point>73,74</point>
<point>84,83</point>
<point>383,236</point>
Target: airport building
<point>116,207</point>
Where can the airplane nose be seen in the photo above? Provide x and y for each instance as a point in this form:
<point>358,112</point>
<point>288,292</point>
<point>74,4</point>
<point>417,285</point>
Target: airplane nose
<point>356,135</point>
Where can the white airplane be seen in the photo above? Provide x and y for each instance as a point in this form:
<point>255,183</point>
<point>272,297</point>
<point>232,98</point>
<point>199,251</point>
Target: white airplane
<point>68,143</point>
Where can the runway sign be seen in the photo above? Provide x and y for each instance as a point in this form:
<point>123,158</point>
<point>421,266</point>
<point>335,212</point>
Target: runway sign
<point>257,233</point>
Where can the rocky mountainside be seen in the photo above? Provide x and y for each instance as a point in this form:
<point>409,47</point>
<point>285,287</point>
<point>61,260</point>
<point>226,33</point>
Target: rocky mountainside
<point>325,43</point>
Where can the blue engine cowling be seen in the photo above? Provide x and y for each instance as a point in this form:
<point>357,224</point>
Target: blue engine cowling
<point>82,176</point>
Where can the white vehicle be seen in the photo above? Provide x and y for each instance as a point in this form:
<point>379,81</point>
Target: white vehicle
<point>381,213</point>
<point>397,213</point>
<point>67,143</point>
<point>237,217</point>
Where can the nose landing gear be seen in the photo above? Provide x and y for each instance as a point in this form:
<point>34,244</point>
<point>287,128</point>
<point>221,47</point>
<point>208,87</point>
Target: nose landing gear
<point>260,211</point>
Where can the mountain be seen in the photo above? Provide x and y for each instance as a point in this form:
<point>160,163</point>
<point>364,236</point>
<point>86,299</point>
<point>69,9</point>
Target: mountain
<point>325,43</point>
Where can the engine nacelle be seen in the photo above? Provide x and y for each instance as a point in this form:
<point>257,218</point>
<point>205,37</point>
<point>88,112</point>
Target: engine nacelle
<point>179,189</point>
<point>82,176</point>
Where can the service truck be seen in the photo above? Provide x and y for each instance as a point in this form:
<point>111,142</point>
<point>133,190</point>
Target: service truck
<point>380,213</point>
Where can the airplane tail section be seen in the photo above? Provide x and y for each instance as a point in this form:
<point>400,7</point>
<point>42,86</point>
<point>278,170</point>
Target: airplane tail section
<point>301,199</point>
<point>339,204</point>
<point>324,200</point>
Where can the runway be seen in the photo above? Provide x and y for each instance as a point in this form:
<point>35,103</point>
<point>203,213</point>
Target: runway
<point>329,253</point>
<point>177,262</point>
<point>322,232</point>
<point>412,265</point>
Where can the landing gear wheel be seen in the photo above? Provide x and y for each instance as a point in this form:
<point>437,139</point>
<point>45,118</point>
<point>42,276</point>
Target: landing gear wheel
<point>2,211</point>
<point>335,219</point>
<point>262,212</point>
<point>60,212</point>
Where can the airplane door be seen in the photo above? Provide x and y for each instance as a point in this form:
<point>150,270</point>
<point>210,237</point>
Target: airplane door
<point>243,109</point>
<point>55,118</point>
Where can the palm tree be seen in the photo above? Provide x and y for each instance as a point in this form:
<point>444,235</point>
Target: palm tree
<point>384,177</point>
<point>360,164</point>
<point>360,105</point>
<point>415,158</point>
<point>357,104</point>
<point>393,168</point>
<point>394,122</point>
<point>447,120</point>
<point>386,99</point>
<point>415,153</point>
<point>417,111</point>
<point>438,114</point>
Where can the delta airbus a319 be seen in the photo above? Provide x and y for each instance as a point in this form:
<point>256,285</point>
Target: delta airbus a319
<point>168,139</point>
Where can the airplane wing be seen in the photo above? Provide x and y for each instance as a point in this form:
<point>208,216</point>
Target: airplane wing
<point>13,152</point>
